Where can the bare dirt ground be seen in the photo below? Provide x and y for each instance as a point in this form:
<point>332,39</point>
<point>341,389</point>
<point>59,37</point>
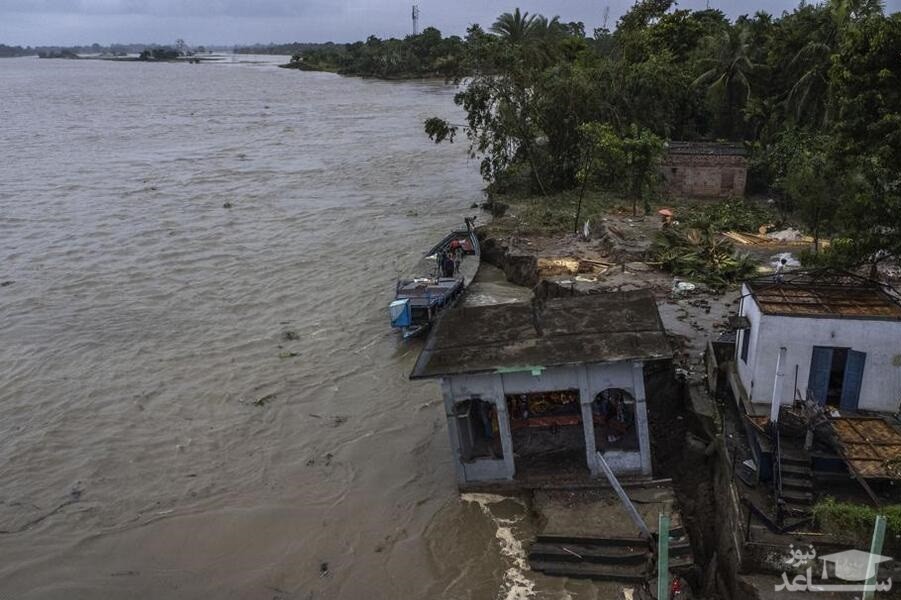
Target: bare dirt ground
<point>613,258</point>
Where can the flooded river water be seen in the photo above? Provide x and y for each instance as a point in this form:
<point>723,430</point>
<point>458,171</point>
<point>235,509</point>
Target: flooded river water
<point>207,402</point>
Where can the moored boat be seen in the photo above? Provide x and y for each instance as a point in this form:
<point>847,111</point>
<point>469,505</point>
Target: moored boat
<point>442,276</point>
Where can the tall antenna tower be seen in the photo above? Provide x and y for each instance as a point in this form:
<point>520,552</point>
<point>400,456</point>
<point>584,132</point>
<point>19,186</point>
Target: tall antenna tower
<point>415,19</point>
<point>606,15</point>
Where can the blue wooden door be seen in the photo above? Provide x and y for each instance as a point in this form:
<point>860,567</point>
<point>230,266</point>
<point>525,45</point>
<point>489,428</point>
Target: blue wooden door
<point>853,379</point>
<point>820,366</point>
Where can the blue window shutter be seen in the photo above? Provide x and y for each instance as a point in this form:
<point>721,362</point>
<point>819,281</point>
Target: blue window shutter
<point>820,365</point>
<point>853,379</point>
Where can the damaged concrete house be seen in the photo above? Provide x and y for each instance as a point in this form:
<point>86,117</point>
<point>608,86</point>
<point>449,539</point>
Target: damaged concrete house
<point>834,338</point>
<point>539,389</point>
<point>814,369</point>
<point>550,399</point>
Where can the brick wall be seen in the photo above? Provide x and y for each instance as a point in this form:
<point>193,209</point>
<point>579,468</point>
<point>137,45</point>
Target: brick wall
<point>705,175</point>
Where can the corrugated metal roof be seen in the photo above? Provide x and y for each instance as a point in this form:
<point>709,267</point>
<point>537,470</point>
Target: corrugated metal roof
<point>870,445</point>
<point>825,294</point>
<point>596,328</point>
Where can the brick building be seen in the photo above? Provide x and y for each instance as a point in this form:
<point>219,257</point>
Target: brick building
<point>705,169</point>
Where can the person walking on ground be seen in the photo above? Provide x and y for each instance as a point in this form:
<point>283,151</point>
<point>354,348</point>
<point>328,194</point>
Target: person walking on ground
<point>780,270</point>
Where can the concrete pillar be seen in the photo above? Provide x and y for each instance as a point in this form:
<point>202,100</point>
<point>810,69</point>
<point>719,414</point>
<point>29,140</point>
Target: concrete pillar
<point>452,430</point>
<point>778,385</point>
<point>585,399</point>
<point>641,417</point>
<point>503,425</point>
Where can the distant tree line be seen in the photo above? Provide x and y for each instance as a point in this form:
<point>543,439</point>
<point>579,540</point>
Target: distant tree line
<point>427,54</point>
<point>282,49</point>
<point>13,51</point>
<point>114,49</point>
<point>69,51</point>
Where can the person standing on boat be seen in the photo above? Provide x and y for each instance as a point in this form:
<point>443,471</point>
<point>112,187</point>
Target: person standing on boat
<point>445,265</point>
<point>440,258</point>
<point>456,248</point>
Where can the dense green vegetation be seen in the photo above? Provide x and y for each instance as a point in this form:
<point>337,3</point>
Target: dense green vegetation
<point>815,95</point>
<point>855,521</point>
<point>701,255</point>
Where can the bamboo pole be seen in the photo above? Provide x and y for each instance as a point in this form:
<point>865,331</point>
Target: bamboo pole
<point>875,550</point>
<point>663,557</point>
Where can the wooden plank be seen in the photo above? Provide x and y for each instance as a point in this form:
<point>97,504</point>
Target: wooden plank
<point>624,498</point>
<point>853,468</point>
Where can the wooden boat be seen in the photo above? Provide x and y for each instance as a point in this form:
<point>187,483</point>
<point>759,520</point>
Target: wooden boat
<point>420,299</point>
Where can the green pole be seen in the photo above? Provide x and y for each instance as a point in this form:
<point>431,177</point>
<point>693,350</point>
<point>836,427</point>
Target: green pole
<point>663,557</point>
<point>875,549</point>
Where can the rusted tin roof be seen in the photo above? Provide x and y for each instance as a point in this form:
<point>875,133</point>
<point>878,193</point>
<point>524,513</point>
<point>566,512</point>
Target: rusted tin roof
<point>825,294</point>
<point>535,335</point>
<point>870,445</point>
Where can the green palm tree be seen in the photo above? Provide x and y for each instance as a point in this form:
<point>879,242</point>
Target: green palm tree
<point>532,39</point>
<point>807,97</point>
<point>728,73</point>
<point>543,28</point>
<point>515,27</point>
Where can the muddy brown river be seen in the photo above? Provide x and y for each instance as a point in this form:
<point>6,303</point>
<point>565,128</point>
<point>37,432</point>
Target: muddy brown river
<point>207,402</point>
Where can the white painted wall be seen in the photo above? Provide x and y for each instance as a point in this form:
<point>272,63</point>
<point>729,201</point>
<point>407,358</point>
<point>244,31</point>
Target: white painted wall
<point>588,379</point>
<point>880,339</point>
<point>746,370</point>
<point>600,377</point>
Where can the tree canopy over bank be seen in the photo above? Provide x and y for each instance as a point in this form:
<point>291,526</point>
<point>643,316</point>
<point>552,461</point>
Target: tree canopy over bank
<point>815,95</point>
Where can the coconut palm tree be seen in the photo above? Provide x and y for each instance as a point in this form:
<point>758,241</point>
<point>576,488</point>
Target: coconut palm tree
<point>532,39</point>
<point>728,73</point>
<point>807,97</point>
<point>546,29</point>
<point>515,27</point>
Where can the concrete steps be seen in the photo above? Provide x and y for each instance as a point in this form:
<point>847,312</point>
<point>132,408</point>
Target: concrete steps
<point>789,470</point>
<point>627,560</point>
<point>797,482</point>
<point>588,553</point>
<point>800,484</point>
<point>796,497</point>
<point>598,572</point>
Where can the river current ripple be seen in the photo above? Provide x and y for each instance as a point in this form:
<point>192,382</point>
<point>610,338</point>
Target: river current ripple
<point>207,402</point>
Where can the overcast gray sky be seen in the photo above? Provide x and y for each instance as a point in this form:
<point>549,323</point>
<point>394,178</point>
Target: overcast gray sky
<point>72,22</point>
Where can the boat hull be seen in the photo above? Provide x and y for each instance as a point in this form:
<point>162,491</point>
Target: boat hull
<point>420,300</point>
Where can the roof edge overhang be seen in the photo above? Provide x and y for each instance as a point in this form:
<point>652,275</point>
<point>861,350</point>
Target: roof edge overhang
<point>529,368</point>
<point>828,316</point>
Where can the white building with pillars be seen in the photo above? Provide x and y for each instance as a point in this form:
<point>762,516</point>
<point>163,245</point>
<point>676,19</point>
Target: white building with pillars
<point>539,390</point>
